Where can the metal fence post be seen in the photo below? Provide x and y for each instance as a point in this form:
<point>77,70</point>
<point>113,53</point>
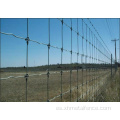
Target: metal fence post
<point>26,76</point>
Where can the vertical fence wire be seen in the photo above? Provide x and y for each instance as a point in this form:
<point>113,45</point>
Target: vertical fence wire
<point>48,71</point>
<point>82,56</point>
<point>94,66</point>
<point>98,68</point>
<point>97,63</point>
<point>77,56</point>
<point>90,67</point>
<point>27,40</point>
<point>89,63</point>
<point>61,57</point>
<point>92,70</point>
<point>71,64</point>
<point>91,77</point>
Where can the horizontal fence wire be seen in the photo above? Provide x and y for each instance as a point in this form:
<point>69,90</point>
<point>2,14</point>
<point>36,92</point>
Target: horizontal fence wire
<point>85,82</point>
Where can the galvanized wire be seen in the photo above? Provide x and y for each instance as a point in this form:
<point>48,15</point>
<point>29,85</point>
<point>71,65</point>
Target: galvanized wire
<point>12,35</point>
<point>98,34</point>
<point>79,98</point>
<point>95,62</point>
<point>49,45</point>
<point>77,57</point>
<point>94,58</point>
<point>61,58</point>
<point>89,59</point>
<point>82,57</point>
<point>30,75</point>
<point>48,60</point>
<point>71,64</point>
<point>27,41</point>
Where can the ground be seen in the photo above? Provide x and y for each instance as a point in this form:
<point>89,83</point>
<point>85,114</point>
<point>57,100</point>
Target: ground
<point>86,85</point>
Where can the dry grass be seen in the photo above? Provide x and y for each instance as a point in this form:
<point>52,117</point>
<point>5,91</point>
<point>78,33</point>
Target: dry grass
<point>14,89</point>
<point>111,92</point>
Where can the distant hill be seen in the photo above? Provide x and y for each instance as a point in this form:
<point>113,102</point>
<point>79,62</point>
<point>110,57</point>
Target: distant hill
<point>56,67</point>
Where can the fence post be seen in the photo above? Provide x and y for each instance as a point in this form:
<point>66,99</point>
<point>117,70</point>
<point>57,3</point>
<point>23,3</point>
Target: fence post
<point>111,65</point>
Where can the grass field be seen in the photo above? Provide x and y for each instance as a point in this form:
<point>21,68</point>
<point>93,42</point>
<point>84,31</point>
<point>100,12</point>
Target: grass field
<point>89,83</point>
<point>111,93</point>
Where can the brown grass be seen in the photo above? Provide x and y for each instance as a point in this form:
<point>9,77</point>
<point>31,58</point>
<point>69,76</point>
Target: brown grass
<point>14,89</point>
<point>111,92</point>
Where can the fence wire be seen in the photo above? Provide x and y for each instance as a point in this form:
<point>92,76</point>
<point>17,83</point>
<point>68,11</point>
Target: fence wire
<point>89,75</point>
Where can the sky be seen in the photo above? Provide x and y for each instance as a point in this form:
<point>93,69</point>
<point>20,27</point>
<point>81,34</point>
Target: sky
<point>13,50</point>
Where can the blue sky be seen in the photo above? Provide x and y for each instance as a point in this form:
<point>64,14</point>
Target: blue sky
<point>13,50</point>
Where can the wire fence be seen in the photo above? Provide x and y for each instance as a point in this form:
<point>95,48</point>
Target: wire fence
<point>83,80</point>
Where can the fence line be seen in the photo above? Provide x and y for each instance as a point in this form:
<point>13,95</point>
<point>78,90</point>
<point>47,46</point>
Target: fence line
<point>95,60</point>
<point>98,34</point>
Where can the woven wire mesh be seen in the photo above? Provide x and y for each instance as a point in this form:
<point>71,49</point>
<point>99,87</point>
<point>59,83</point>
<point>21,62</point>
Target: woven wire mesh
<point>83,78</point>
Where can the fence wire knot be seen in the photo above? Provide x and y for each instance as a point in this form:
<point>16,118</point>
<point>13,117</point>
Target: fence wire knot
<point>48,45</point>
<point>48,73</point>
<point>26,76</point>
<point>27,40</point>
<point>62,49</point>
<point>61,72</point>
